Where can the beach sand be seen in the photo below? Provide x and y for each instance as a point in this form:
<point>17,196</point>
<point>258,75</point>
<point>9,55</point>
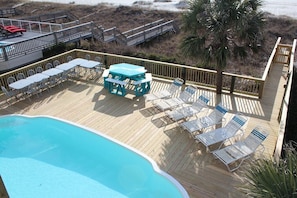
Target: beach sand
<point>276,7</point>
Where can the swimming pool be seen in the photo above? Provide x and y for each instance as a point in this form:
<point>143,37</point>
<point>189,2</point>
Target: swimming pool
<point>8,48</point>
<point>46,157</point>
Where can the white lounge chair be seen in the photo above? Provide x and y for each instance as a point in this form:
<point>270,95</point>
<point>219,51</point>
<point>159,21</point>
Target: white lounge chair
<point>183,98</point>
<point>184,112</point>
<point>233,156</point>
<point>215,117</point>
<point>223,134</point>
<point>167,93</point>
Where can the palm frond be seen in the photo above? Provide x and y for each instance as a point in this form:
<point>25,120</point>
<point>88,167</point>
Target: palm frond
<point>266,178</point>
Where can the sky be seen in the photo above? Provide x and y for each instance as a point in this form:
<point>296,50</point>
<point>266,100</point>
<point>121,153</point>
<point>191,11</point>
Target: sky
<point>277,7</point>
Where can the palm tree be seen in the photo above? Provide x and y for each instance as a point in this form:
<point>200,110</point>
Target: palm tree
<point>267,178</point>
<point>218,29</point>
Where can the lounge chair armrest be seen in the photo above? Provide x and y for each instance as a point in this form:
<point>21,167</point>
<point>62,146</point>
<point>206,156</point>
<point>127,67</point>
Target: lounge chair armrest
<point>202,113</point>
<point>261,148</point>
<point>240,133</point>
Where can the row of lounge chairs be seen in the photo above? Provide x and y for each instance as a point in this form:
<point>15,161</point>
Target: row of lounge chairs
<point>11,30</point>
<point>195,117</point>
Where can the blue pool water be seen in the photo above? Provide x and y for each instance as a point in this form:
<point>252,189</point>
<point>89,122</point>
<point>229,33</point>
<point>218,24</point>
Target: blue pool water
<point>8,48</point>
<point>47,157</point>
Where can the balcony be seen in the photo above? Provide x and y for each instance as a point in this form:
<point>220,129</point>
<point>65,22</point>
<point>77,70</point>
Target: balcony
<point>128,119</point>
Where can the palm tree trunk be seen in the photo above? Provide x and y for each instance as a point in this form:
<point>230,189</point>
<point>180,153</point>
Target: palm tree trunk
<point>219,80</point>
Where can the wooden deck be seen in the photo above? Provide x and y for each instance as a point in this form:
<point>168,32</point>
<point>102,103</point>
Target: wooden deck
<point>128,119</point>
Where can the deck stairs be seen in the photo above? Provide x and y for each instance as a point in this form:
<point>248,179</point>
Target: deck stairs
<point>283,54</point>
<point>41,35</point>
<point>139,34</point>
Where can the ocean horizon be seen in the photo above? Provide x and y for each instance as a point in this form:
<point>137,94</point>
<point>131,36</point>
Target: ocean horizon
<point>276,7</point>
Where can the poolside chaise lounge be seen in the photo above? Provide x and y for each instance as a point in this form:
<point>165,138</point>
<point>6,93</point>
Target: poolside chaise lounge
<point>213,118</point>
<point>184,112</point>
<point>183,98</point>
<point>223,134</point>
<point>11,30</point>
<point>166,93</point>
<point>234,155</point>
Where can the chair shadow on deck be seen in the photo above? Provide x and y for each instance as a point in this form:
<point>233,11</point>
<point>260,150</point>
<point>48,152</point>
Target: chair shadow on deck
<point>260,108</point>
<point>162,121</point>
<point>185,159</point>
<point>35,101</point>
<point>149,111</point>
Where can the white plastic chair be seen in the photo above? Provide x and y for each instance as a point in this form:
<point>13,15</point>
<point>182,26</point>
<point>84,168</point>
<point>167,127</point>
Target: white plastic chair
<point>99,68</point>
<point>39,69</point>
<point>53,81</point>
<point>232,129</point>
<point>69,58</point>
<point>48,66</point>
<point>56,63</point>
<point>234,155</point>
<point>183,98</point>
<point>88,57</point>
<point>9,94</point>
<point>213,118</point>
<point>20,76</point>
<point>30,72</point>
<point>11,79</point>
<point>64,77</point>
<point>166,93</point>
<point>43,85</point>
<point>32,89</point>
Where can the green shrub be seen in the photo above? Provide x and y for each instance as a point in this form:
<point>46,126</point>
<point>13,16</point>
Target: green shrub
<point>267,178</point>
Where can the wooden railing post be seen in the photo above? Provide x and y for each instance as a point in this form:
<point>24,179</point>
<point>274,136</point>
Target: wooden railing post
<point>233,78</point>
<point>5,57</point>
<point>261,89</point>
<point>56,38</point>
<point>184,74</point>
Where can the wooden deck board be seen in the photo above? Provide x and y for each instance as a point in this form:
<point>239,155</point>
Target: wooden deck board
<point>128,119</point>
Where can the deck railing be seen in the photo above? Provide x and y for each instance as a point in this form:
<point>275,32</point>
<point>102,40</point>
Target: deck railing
<point>32,26</point>
<point>142,28</point>
<point>140,34</point>
<point>232,83</point>
<point>53,17</point>
<point>21,48</point>
<point>282,118</point>
<point>150,32</point>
